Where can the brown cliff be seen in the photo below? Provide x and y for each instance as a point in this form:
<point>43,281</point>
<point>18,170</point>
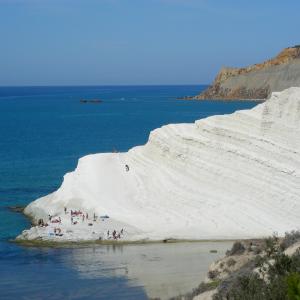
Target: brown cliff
<point>256,82</point>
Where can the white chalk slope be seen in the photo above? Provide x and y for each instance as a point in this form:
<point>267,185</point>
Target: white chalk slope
<point>231,176</point>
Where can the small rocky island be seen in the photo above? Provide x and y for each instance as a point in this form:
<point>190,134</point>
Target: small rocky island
<point>256,82</point>
<point>94,101</point>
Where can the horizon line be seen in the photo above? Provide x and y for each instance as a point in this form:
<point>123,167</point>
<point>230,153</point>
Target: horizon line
<point>104,85</point>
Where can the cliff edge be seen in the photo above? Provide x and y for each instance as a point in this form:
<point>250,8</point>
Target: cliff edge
<point>256,82</point>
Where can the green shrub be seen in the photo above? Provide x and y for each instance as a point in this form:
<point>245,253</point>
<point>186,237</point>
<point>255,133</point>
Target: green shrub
<point>271,246</point>
<point>213,274</point>
<point>293,286</point>
<point>230,262</point>
<point>237,249</point>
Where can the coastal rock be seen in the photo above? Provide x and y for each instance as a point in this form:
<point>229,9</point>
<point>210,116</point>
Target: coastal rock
<point>256,81</point>
<point>223,177</point>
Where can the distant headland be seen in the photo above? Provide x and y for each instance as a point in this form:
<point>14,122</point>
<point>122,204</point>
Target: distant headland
<point>256,82</point>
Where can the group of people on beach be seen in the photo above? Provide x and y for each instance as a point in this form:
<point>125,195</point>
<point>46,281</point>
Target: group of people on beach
<point>75,217</point>
<point>115,235</point>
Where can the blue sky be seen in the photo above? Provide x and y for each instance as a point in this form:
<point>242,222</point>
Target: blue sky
<point>100,42</point>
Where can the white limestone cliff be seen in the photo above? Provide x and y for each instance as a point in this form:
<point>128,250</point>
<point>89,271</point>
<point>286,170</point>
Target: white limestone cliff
<point>228,176</point>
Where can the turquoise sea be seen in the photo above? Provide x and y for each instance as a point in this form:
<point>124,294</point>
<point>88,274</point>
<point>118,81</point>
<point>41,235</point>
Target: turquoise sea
<point>43,132</point>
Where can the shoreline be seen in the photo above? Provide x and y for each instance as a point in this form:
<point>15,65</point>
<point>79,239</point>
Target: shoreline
<point>221,99</point>
<point>66,244</point>
<point>74,244</point>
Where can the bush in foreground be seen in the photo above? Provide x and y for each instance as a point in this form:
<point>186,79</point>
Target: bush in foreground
<point>277,276</point>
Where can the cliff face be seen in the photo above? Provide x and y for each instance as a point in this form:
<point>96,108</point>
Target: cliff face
<point>228,176</point>
<point>259,80</point>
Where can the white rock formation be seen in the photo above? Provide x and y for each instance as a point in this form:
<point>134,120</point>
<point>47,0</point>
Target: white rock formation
<point>228,176</point>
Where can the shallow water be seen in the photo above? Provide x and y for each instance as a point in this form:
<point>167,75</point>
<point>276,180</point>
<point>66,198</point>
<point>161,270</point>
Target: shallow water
<point>43,132</point>
<point>106,272</point>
